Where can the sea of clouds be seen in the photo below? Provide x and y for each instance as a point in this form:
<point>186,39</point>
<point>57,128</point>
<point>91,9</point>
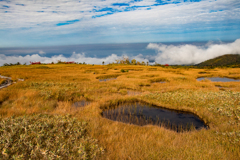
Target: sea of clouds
<point>191,54</point>
<point>166,54</point>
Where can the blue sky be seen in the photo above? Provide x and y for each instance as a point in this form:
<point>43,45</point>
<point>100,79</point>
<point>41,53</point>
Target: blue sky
<point>25,23</point>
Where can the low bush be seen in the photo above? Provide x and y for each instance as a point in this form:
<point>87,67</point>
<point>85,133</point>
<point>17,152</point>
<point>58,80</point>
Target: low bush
<point>122,70</point>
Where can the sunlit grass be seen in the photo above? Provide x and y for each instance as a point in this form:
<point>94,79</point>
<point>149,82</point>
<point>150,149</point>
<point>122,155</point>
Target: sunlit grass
<point>2,81</point>
<point>52,89</point>
<point>46,137</point>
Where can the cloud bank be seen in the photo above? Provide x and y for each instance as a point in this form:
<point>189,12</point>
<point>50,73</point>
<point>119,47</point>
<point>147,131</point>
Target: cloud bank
<point>191,54</point>
<point>166,54</point>
<point>77,57</point>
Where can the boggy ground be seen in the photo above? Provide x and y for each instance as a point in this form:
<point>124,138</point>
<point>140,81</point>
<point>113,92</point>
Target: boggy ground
<point>52,89</point>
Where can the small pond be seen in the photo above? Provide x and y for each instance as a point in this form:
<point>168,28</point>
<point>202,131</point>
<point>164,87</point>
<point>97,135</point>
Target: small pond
<point>160,82</point>
<point>218,79</point>
<point>108,79</point>
<point>133,93</point>
<point>81,103</point>
<point>144,114</point>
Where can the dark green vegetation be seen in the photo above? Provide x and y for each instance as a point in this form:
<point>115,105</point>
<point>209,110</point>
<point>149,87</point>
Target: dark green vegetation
<point>46,137</point>
<point>122,70</point>
<point>225,60</point>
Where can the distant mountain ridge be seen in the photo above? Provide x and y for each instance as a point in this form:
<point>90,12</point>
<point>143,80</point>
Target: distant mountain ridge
<point>225,60</point>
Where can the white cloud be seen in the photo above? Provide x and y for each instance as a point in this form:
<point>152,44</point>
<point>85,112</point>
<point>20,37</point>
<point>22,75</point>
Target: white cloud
<point>166,54</point>
<point>41,52</point>
<point>140,58</point>
<point>161,16</point>
<point>191,54</point>
<point>77,57</point>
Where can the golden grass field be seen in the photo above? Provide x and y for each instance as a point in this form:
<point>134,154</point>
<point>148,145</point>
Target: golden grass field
<point>52,89</point>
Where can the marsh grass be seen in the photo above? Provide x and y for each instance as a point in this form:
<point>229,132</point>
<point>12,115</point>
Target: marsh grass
<point>54,90</point>
<point>203,72</point>
<point>158,80</point>
<point>123,91</point>
<point>152,69</point>
<point>2,81</point>
<point>46,137</point>
<point>142,84</point>
<point>148,76</point>
<point>108,76</point>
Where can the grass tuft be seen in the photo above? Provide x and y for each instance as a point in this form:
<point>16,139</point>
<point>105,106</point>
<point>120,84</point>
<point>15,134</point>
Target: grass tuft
<point>46,137</point>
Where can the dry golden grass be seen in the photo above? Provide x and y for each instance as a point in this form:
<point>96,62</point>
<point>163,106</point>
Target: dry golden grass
<point>2,81</point>
<point>52,89</point>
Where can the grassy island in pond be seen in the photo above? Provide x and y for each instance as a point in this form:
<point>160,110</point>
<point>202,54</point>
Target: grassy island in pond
<point>39,112</point>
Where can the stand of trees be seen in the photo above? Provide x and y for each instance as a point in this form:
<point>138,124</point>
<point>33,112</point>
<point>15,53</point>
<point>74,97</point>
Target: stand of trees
<point>125,60</point>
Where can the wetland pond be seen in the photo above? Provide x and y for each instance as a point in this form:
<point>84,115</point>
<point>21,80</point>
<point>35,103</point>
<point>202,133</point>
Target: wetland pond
<point>218,79</point>
<point>160,82</point>
<point>144,114</point>
<point>108,79</point>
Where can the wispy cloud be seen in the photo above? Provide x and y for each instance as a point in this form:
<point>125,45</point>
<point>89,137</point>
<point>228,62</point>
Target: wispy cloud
<point>97,21</point>
<point>41,52</point>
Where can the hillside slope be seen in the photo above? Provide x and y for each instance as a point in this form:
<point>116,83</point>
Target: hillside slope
<point>225,60</point>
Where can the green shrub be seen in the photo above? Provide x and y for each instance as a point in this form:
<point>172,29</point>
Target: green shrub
<point>122,70</point>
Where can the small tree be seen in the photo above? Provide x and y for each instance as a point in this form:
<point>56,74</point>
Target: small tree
<point>59,61</point>
<point>134,62</point>
<point>147,63</point>
<point>103,63</point>
<point>127,61</point>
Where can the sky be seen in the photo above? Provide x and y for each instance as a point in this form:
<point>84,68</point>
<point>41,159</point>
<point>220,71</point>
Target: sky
<point>43,23</point>
<point>67,22</point>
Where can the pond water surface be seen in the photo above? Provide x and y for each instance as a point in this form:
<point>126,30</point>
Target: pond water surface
<point>81,103</point>
<point>218,79</point>
<point>108,79</point>
<point>144,114</point>
<point>160,82</point>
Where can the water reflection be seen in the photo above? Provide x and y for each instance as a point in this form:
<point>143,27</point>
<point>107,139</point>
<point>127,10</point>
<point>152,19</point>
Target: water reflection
<point>108,79</point>
<point>144,114</point>
<point>218,79</point>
